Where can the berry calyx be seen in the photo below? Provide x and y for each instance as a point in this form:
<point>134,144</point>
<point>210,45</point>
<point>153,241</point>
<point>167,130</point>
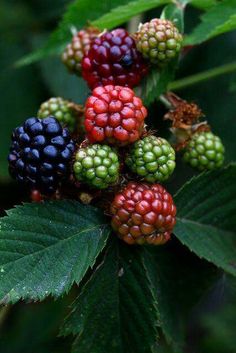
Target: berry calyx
<point>96,165</point>
<point>66,112</point>
<point>159,41</point>
<point>143,213</point>
<point>114,115</point>
<point>80,44</point>
<point>152,158</point>
<point>40,154</point>
<point>113,59</point>
<point>205,151</point>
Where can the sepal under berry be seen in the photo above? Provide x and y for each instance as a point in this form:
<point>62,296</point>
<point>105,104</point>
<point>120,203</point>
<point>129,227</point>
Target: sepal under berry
<point>205,151</point>
<point>152,158</point>
<point>143,213</point>
<point>96,165</point>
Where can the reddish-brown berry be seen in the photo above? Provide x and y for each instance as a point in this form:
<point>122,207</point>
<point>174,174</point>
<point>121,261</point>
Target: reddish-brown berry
<point>80,44</point>
<point>113,59</point>
<point>143,213</point>
<point>114,115</point>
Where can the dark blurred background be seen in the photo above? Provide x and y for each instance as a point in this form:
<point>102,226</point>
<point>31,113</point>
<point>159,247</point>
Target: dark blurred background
<point>24,26</point>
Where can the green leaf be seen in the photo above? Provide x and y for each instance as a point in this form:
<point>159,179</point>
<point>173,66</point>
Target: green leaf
<point>175,13</point>
<point>116,310</point>
<point>219,19</point>
<point>46,247</point>
<point>156,83</point>
<point>206,217</point>
<point>203,4</point>
<point>79,14</point>
<point>122,14</point>
<point>179,280</point>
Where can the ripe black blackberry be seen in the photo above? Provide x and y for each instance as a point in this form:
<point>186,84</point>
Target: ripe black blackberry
<point>40,154</point>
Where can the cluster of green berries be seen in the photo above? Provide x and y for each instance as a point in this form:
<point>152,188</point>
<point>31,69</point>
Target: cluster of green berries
<point>97,165</point>
<point>152,158</point>
<point>204,151</point>
<point>48,149</point>
<point>62,109</point>
<point>159,41</point>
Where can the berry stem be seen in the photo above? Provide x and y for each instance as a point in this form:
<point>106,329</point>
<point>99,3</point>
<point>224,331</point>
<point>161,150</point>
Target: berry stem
<point>165,101</point>
<point>202,76</point>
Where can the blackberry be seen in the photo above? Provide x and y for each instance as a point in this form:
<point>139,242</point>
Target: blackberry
<point>152,158</point>
<point>96,165</point>
<point>204,151</point>
<point>40,154</point>
<point>114,115</point>
<point>66,112</point>
<point>113,59</point>
<point>80,44</point>
<point>159,41</point>
<point>143,213</point>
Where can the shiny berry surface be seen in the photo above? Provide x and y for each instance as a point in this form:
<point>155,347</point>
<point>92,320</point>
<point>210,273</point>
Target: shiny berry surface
<point>205,151</point>
<point>152,158</point>
<point>114,115</point>
<point>74,52</point>
<point>113,59</point>
<point>40,154</point>
<point>159,41</point>
<point>143,213</point>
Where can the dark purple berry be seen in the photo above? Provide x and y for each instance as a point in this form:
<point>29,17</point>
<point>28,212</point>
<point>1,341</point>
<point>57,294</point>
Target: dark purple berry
<point>40,154</point>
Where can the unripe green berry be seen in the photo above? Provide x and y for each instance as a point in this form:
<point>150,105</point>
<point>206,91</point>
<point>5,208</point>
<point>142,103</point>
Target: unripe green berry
<point>152,158</point>
<point>159,41</point>
<point>97,165</point>
<point>205,151</point>
<point>62,110</point>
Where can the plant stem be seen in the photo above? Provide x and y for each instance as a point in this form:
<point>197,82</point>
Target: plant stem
<point>202,76</point>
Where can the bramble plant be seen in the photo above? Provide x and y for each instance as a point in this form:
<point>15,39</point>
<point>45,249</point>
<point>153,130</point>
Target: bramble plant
<point>104,214</point>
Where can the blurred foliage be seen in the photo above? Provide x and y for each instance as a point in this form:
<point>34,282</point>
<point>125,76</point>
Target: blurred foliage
<point>24,26</point>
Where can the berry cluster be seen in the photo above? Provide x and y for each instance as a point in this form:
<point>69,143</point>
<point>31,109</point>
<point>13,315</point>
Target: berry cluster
<point>98,165</point>
<point>114,115</point>
<point>40,154</point>
<point>159,41</point>
<point>113,59</point>
<point>143,213</point>
<point>79,46</point>
<point>116,146</point>
<point>63,110</point>
<point>204,151</point>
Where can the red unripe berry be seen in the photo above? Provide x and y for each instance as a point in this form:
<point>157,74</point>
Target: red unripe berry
<point>114,115</point>
<point>113,59</point>
<point>143,213</point>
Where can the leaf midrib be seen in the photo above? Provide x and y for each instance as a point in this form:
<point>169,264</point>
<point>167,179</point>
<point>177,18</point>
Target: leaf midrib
<point>186,220</point>
<point>55,244</point>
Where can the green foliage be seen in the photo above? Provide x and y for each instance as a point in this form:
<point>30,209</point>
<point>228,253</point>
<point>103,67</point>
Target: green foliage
<point>46,247</point>
<point>206,217</point>
<point>131,294</point>
<point>219,19</point>
<point>116,307</point>
<point>121,14</point>
<point>179,281</point>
